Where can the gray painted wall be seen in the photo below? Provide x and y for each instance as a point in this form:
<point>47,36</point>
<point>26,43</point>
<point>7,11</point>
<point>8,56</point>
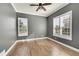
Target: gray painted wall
<point>37,25</point>
<point>75,27</point>
<point>7,25</point>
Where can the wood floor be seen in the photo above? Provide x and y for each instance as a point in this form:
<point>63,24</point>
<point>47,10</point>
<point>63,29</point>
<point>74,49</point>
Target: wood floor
<point>42,47</point>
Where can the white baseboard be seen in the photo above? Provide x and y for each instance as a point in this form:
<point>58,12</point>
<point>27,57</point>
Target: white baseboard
<point>33,39</point>
<point>70,47</point>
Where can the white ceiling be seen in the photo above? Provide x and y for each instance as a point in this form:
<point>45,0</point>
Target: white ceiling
<point>26,8</point>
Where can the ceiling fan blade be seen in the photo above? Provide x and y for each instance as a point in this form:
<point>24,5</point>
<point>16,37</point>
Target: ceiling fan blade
<point>34,5</point>
<point>45,4</point>
<point>38,8</point>
<point>43,8</point>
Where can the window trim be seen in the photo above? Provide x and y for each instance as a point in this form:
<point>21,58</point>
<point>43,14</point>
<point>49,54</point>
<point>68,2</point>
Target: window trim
<point>64,36</point>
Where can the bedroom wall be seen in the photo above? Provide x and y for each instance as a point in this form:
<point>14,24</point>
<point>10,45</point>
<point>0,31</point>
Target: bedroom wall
<point>75,24</point>
<point>37,25</point>
<point>7,26</point>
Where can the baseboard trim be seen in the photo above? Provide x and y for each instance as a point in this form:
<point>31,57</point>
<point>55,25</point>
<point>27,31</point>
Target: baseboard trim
<point>70,47</point>
<point>33,39</point>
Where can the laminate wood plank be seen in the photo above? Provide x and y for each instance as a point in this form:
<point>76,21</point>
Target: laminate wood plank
<point>42,47</point>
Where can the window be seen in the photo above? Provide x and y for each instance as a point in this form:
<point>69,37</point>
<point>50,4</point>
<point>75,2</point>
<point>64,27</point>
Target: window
<point>62,26</point>
<point>22,26</point>
<point>56,26</point>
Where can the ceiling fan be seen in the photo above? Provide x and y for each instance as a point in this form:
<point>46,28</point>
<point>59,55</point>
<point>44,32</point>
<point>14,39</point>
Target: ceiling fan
<point>41,5</point>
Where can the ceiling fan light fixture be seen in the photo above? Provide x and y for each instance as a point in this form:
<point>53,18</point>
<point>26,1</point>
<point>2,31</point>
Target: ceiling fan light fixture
<point>41,6</point>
